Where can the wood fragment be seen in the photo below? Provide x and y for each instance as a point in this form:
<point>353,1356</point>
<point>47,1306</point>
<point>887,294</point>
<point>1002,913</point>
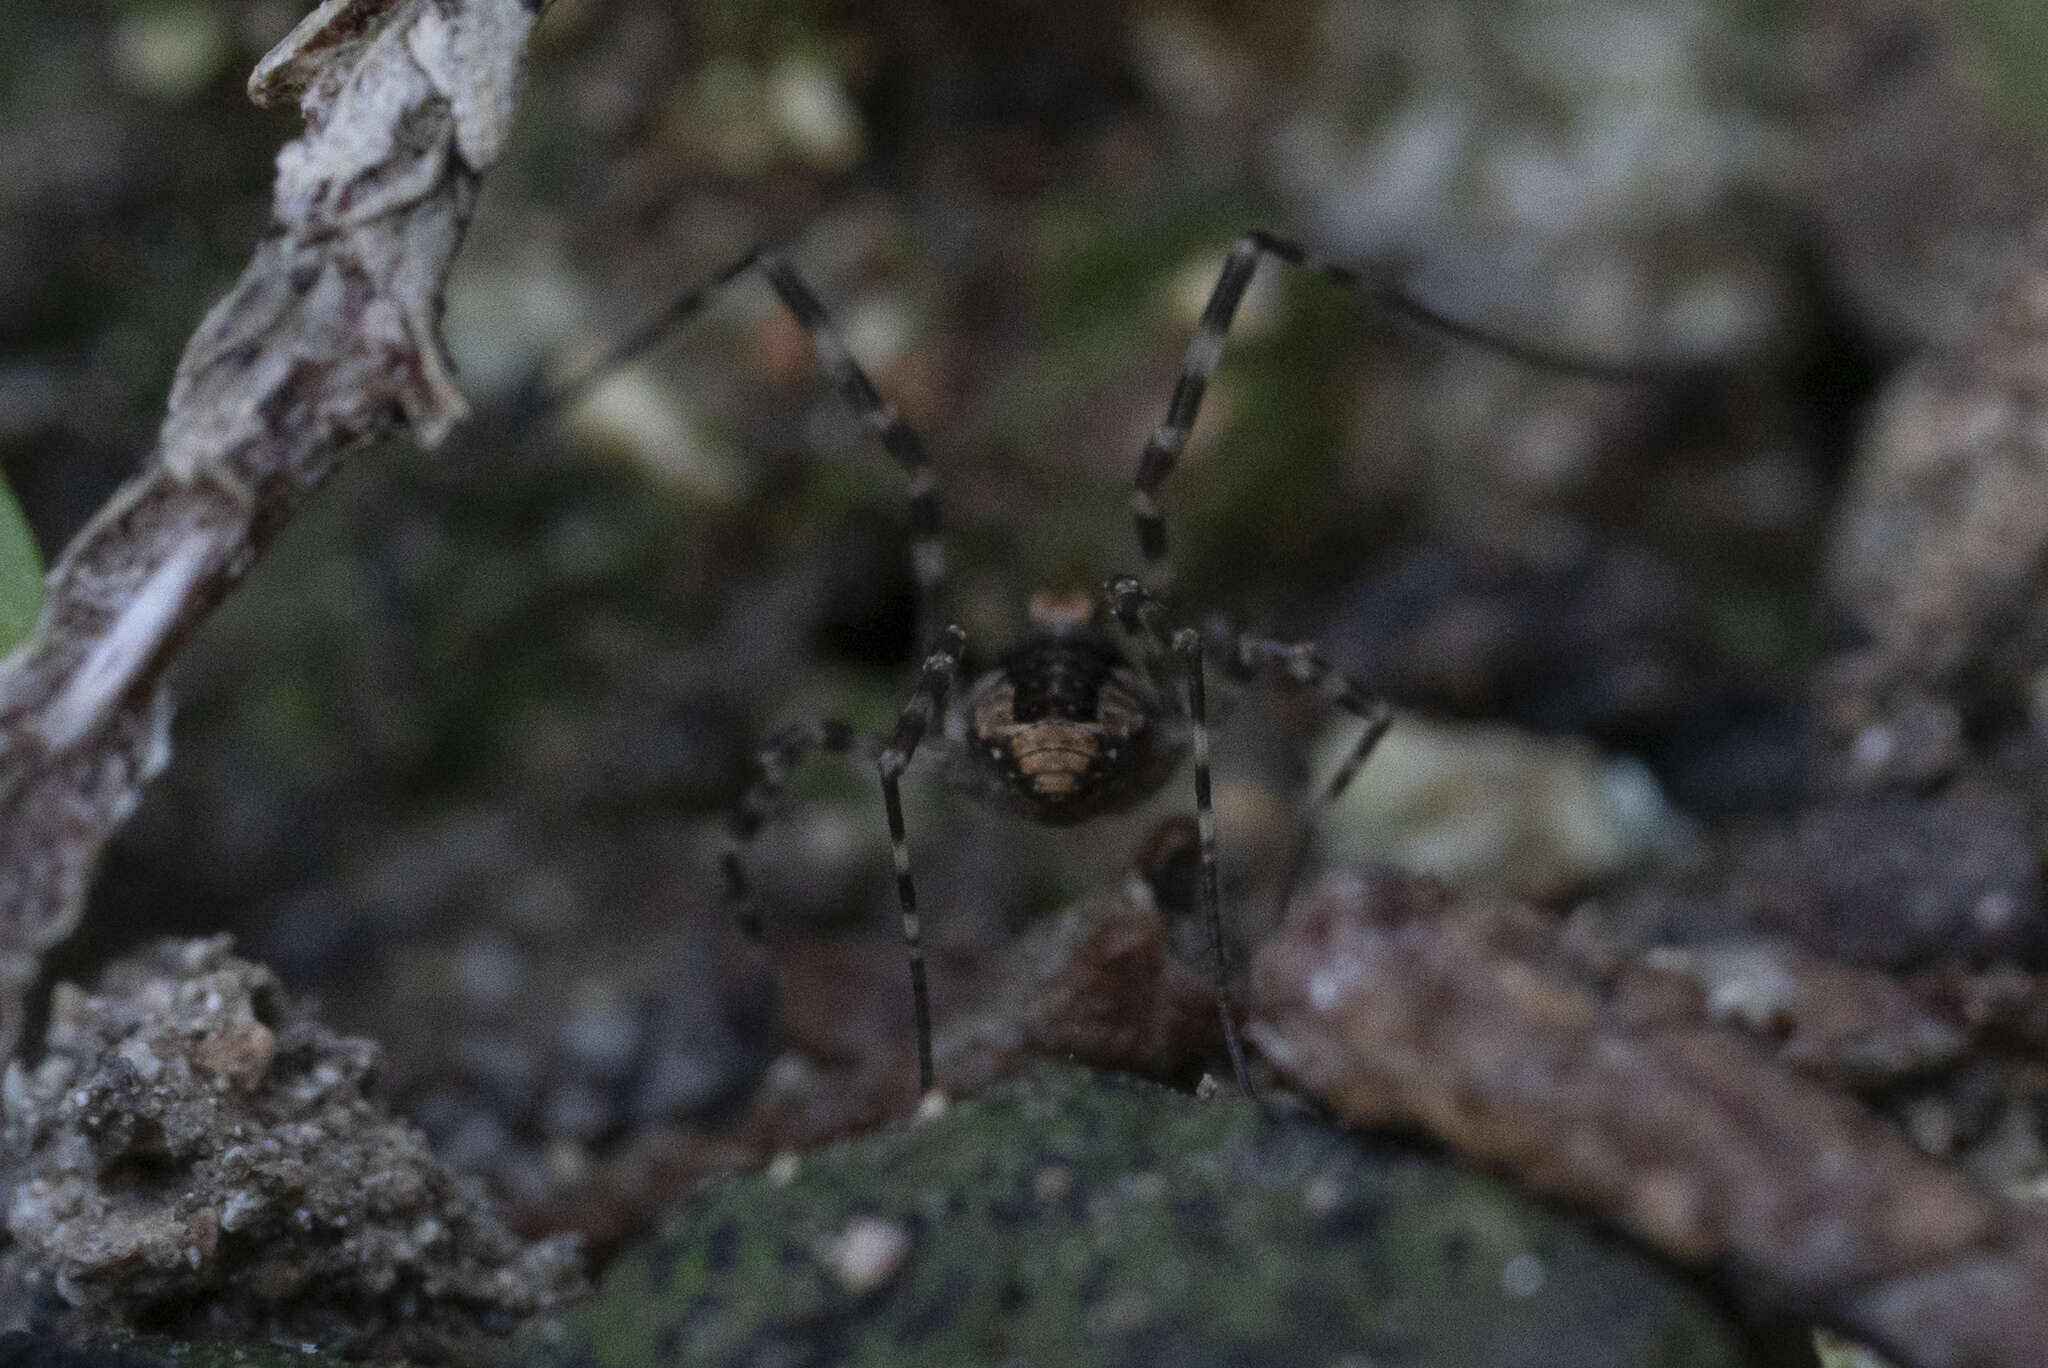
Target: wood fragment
<point>328,340</point>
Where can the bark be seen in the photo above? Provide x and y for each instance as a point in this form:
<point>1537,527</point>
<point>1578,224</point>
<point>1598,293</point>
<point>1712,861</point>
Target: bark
<point>328,340</point>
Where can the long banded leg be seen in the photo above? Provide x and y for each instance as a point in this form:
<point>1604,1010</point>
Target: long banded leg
<point>780,757</point>
<point>927,703</point>
<point>1187,643</point>
<point>898,438</point>
<point>1248,657</point>
<point>1205,352</point>
<point>1170,438</point>
<point>1300,665</point>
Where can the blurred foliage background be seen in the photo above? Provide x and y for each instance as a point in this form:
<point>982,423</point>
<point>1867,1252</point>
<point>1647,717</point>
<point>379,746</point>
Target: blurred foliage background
<point>458,756</point>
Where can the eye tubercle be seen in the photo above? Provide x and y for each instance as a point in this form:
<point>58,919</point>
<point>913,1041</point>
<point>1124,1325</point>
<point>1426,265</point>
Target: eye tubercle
<point>1057,611</point>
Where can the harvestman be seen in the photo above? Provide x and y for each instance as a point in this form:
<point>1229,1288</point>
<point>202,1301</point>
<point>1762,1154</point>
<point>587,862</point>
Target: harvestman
<point>1063,728</point>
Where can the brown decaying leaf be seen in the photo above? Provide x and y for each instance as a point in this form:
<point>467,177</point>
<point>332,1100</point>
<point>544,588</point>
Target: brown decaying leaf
<point>1467,1021</point>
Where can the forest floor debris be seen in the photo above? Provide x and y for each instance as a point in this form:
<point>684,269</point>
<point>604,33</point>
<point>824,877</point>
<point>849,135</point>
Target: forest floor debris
<point>1065,1217</point>
<point>195,1155</point>
<point>1468,1022</point>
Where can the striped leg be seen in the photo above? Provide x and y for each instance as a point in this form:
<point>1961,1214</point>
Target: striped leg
<point>1300,665</point>
<point>926,705</point>
<point>1205,352</point>
<point>785,751</point>
<point>1297,663</point>
<point>1187,643</point>
<point>1248,657</point>
<point>898,438</point>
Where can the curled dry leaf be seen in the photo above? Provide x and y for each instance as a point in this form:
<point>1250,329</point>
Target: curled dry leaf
<point>1466,1022</point>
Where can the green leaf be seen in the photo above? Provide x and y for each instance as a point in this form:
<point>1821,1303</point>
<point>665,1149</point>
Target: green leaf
<point>21,573</point>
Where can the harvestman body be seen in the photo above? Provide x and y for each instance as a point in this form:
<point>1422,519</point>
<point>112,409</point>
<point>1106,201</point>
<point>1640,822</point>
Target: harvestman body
<point>1064,728</point>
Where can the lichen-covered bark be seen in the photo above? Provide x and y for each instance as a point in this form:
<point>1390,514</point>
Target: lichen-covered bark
<point>328,339</point>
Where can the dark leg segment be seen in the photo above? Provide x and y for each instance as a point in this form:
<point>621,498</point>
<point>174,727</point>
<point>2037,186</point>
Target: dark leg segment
<point>1205,352</point>
<point>898,438</point>
<point>1301,666</point>
<point>1247,658</point>
<point>1142,617</point>
<point>1187,643</point>
<point>651,330</point>
<point>785,751</point>
<point>927,704</point>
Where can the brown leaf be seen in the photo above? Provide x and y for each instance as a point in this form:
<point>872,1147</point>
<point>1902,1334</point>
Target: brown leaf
<point>1466,1025</point>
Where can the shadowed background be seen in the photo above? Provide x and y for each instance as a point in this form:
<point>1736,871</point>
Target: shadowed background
<point>458,757</point>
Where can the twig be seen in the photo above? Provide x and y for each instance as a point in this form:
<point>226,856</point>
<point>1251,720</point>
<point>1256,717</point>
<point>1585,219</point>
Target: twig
<point>327,340</point>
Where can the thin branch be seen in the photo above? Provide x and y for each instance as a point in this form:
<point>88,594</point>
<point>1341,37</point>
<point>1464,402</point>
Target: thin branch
<point>327,340</point>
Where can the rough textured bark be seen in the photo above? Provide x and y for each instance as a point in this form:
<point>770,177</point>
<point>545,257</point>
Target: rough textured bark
<point>327,340</point>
